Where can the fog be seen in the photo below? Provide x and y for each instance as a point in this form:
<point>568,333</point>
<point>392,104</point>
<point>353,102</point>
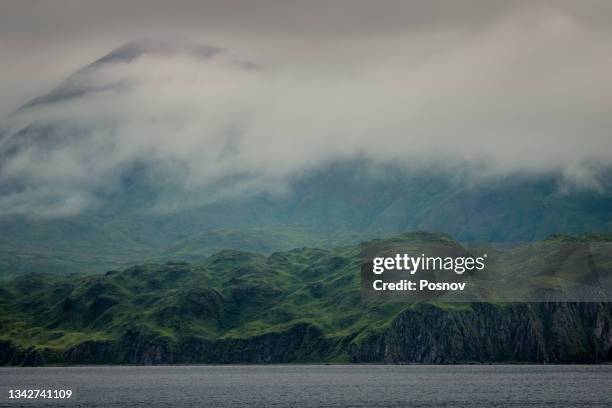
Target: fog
<point>502,86</point>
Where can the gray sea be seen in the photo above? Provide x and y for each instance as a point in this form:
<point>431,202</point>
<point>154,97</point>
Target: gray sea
<point>316,386</point>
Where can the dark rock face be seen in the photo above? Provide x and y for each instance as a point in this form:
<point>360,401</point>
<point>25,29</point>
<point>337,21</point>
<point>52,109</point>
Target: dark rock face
<point>141,348</point>
<point>11,355</point>
<point>302,342</point>
<point>537,332</point>
<point>91,352</point>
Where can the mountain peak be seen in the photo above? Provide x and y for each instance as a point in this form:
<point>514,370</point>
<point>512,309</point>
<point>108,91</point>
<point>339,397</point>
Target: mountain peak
<point>148,46</point>
<point>79,83</point>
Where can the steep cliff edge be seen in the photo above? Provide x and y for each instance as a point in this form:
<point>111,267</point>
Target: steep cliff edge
<point>480,332</point>
<point>534,332</point>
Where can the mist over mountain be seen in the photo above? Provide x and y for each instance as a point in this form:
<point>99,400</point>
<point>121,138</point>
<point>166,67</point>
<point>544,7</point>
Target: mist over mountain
<point>187,182</point>
<point>83,81</point>
<point>165,141</point>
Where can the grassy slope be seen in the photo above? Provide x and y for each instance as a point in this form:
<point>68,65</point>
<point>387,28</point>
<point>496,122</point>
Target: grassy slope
<point>229,294</point>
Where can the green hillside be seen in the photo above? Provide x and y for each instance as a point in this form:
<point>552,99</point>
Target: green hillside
<point>307,299</point>
<point>230,294</point>
<point>97,248</point>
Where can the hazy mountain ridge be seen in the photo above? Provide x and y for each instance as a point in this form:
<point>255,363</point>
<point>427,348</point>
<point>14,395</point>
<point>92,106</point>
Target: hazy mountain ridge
<point>80,83</point>
<point>95,178</point>
<point>339,204</point>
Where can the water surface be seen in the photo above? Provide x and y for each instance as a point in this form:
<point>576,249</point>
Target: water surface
<point>316,386</point>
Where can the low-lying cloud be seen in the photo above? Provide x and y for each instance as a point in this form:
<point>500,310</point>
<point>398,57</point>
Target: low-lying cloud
<point>527,92</point>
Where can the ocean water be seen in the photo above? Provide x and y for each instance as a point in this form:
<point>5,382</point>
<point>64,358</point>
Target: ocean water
<point>316,386</point>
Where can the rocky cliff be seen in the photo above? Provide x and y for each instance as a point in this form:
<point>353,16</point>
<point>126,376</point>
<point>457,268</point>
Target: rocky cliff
<point>536,332</point>
<point>480,332</point>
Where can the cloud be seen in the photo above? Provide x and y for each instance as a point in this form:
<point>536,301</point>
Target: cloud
<point>524,90</point>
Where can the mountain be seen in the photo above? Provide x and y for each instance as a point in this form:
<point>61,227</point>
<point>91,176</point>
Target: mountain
<point>91,179</point>
<point>338,204</point>
<point>82,81</point>
<point>302,305</point>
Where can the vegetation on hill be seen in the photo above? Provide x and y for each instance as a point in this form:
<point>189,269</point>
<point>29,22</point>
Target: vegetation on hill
<point>306,300</point>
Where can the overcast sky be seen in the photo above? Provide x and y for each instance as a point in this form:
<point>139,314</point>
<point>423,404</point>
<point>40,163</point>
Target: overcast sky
<point>524,84</point>
<point>42,41</point>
